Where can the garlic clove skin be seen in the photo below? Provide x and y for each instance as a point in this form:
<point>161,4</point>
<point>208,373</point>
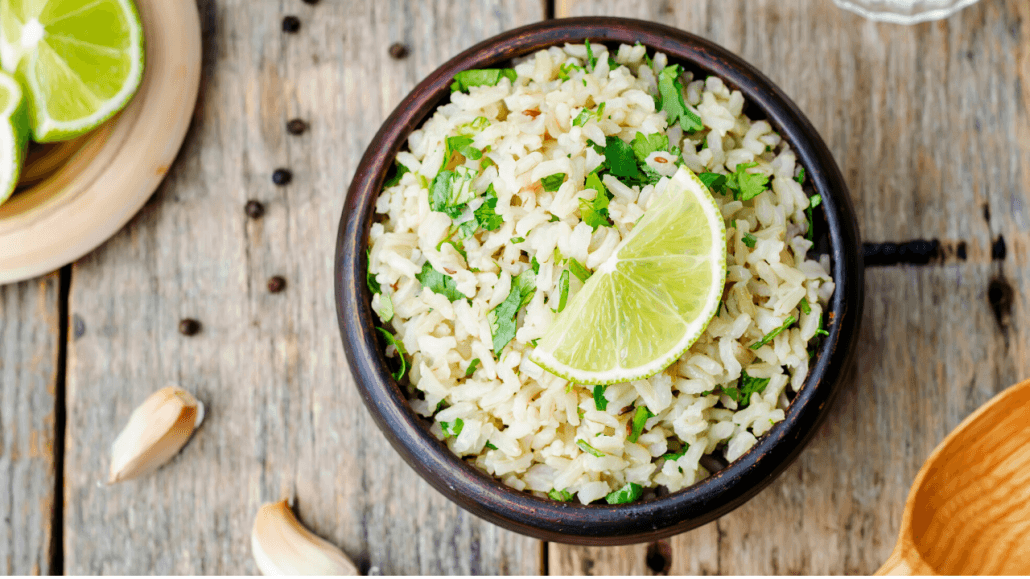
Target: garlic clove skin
<point>283,546</point>
<point>157,430</point>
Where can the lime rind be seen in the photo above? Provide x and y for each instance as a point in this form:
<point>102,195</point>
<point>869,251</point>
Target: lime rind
<point>595,343</point>
<point>14,134</point>
<point>33,59</point>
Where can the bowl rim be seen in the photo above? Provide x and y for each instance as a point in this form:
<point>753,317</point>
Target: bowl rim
<point>519,511</point>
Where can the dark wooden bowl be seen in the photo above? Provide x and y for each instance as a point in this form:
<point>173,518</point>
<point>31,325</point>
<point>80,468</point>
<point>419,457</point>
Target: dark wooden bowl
<point>728,488</point>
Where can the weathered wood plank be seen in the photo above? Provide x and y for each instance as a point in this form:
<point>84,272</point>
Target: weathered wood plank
<point>29,336</point>
<point>930,126</point>
<point>283,417</point>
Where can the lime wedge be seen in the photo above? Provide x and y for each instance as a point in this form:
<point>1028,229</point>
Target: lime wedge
<point>80,61</point>
<point>14,133</point>
<point>651,300</point>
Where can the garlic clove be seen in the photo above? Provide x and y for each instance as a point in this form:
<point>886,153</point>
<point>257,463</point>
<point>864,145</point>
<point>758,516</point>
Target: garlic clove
<point>156,431</point>
<point>283,546</point>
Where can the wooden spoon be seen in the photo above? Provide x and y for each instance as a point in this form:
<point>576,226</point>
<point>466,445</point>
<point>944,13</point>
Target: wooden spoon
<point>968,512</point>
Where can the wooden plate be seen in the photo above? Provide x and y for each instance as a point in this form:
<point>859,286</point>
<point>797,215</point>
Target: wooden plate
<point>75,195</point>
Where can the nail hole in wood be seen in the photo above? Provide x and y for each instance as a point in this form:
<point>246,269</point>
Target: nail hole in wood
<point>659,557</point>
<point>999,295</point>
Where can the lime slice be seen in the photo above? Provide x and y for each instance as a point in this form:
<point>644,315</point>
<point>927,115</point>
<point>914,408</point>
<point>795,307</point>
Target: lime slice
<point>651,300</point>
<point>14,134</point>
<point>80,61</point>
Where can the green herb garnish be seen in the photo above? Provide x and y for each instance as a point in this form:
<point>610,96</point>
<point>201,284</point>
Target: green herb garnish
<point>769,337</point>
<point>586,114</point>
<point>670,100</point>
<point>565,71</point>
<point>626,494</point>
<point>582,444</point>
<point>749,240</point>
<point>813,202</point>
<point>746,185</point>
<point>467,79</point>
<point>472,367</point>
<point>502,318</point>
<point>563,290</point>
<point>807,309</point>
<point>579,270</point>
<point>396,173</point>
<point>452,428</point>
<point>801,176</point>
<point>551,183</point>
<point>451,190</point>
<point>639,419</point>
<point>563,495</point>
<point>600,402</point>
<point>620,158</point>
<point>439,283</point>
<point>643,145</point>
<point>746,386</point>
<point>594,212</point>
<point>391,339</point>
<point>591,59</point>
<point>490,445</point>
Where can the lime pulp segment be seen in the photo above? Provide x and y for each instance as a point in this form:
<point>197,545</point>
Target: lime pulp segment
<point>80,61</point>
<point>651,300</point>
<point>14,134</point>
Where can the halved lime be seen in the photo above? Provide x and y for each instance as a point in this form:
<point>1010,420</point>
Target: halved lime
<point>80,61</point>
<point>14,133</point>
<point>651,300</point>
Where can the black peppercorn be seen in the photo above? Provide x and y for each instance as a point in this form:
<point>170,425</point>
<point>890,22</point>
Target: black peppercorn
<point>276,284</point>
<point>282,177</point>
<point>291,24</point>
<point>296,127</point>
<point>189,327</point>
<point>254,209</point>
<point>398,50</point>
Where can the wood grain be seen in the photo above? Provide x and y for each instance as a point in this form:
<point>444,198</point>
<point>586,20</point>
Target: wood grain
<point>283,417</point>
<point>930,126</point>
<point>29,334</point>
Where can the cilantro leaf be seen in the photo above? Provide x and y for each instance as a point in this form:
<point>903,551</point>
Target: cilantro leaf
<point>460,144</point>
<point>490,445</point>
<point>467,79</point>
<point>385,307</point>
<point>626,494</point>
<point>502,318</point>
<point>639,419</point>
<point>452,428</point>
<point>392,340</point>
<point>533,263</point>
<point>551,183</point>
<point>807,309</point>
<point>438,283</point>
<point>565,70</point>
<point>600,402</point>
<point>587,114</point>
<point>591,59</point>
<point>373,285</point>
<point>749,240</point>
<point>822,328</point>
<point>476,125</point>
<point>396,173</point>
<point>594,212</point>
<point>579,270</point>
<point>801,176</point>
<point>746,386</point>
<point>644,145</point>
<point>620,158</point>
<point>451,190</point>
<point>813,202</point>
<point>678,454</point>
<point>472,367</point>
<point>715,182</point>
<point>516,240</point>
<point>746,185</point>
<point>582,444</point>
<point>563,290</point>
<point>485,215</point>
<point>670,91</point>
<point>769,337</point>
<point>563,495</point>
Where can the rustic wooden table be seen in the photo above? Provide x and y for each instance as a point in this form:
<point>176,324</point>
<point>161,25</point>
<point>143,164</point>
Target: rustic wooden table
<point>930,124</point>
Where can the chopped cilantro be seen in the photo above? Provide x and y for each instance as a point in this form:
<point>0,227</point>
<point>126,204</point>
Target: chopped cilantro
<point>769,337</point>
<point>467,79</point>
<point>553,219</point>
<point>813,202</point>
<point>611,63</point>
<point>533,263</point>
<point>458,245</point>
<point>600,402</point>
<point>484,216</point>
<point>822,329</point>
<point>644,145</point>
<point>452,428</point>
<point>620,158</point>
<point>471,128</point>
<point>807,309</point>
<point>563,495</point>
<point>626,494</point>
<point>391,339</point>
<point>373,285</point>
<point>563,290</point>
<point>440,406</point>
<point>587,114</point>
<point>439,283</point>
<point>579,270</point>
<point>716,182</point>
<point>490,445</point>
<point>460,144</point>
<point>594,212</point>
<point>534,341</point>
<point>502,318</point>
<point>746,386</point>
<point>582,444</point>
<point>670,91</point>
<point>565,70</point>
<point>472,367</point>
<point>591,59</point>
<point>515,240</point>
<point>749,240</point>
<point>396,173</point>
<point>639,419</point>
<point>451,190</point>
<point>801,176</point>
<point>678,454</point>
<point>553,182</point>
<point>746,185</point>
<point>385,307</point>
